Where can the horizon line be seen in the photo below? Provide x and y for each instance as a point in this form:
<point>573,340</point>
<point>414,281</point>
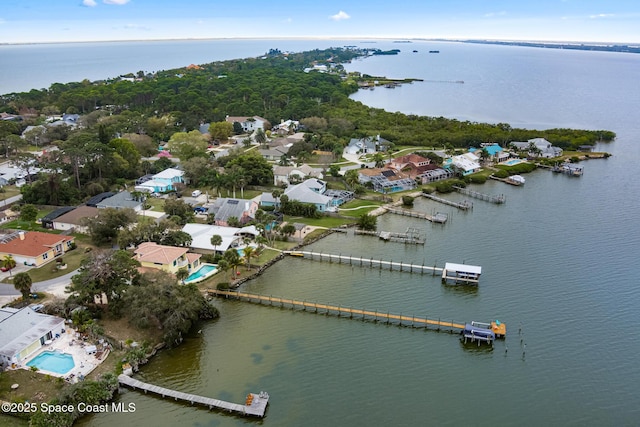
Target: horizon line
<point>440,39</point>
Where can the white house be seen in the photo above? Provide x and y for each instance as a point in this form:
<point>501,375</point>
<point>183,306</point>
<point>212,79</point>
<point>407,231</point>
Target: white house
<point>249,124</point>
<point>286,174</point>
<point>201,237</point>
<point>466,163</point>
<point>544,147</point>
<point>24,331</point>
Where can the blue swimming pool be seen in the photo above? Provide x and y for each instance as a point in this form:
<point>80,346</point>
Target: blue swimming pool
<point>512,162</point>
<point>202,273</point>
<point>59,363</point>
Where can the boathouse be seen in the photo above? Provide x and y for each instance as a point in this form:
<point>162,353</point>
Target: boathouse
<point>461,273</point>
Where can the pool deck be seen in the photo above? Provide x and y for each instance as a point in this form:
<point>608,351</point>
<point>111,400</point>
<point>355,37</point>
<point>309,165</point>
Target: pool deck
<point>201,278</point>
<point>69,343</point>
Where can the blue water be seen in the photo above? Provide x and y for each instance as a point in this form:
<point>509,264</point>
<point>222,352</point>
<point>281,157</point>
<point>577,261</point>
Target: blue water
<point>512,162</point>
<point>60,363</point>
<point>558,258</point>
<point>203,272</point>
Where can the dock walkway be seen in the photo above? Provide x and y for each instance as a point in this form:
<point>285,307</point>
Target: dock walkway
<point>411,236</point>
<point>465,205</point>
<point>255,405</point>
<point>364,262</point>
<point>482,196</point>
<point>402,320</point>
<point>439,217</point>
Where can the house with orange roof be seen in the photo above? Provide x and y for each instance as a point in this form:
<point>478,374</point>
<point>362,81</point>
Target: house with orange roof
<point>34,248</point>
<point>166,258</point>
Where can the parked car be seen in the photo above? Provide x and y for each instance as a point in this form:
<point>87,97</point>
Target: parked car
<point>200,210</point>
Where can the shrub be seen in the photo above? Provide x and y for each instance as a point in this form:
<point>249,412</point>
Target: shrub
<point>407,200</point>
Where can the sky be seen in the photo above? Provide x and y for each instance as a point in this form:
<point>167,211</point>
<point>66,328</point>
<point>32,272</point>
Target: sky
<point>36,21</point>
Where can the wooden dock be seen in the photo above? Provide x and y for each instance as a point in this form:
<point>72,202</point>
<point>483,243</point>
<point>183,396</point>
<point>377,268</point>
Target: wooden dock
<point>482,196</point>
<point>438,218</point>
<point>255,404</point>
<point>364,262</point>
<point>506,180</point>
<point>465,205</point>
<point>411,236</point>
<point>376,316</point>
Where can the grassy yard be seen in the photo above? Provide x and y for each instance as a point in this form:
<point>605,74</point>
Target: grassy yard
<point>9,191</point>
<point>33,386</point>
<point>325,221</point>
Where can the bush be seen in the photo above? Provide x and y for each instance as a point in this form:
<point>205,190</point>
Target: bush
<point>477,179</point>
<point>501,174</point>
<point>407,200</point>
<point>224,286</point>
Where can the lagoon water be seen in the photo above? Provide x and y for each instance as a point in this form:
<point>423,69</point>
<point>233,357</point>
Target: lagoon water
<point>559,265</point>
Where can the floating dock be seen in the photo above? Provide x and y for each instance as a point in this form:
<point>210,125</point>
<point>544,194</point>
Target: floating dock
<point>461,273</point>
<point>516,180</point>
<point>255,404</point>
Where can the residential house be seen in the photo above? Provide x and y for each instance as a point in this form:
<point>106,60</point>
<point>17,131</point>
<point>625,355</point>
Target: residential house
<point>166,258</point>
<point>47,220</point>
<point>408,161</point>
<point>23,332</point>
<point>273,154</point>
<point>76,219</point>
<point>34,248</point>
<point>231,237</point>
<point>464,164</point>
<point>367,145</point>
<point>121,200</point>
<point>224,208</point>
<point>285,127</point>
<point>385,180</point>
<point>249,124</point>
<point>161,182</point>
<point>543,148</point>
<point>93,201</point>
<point>288,174</point>
<point>495,152</point>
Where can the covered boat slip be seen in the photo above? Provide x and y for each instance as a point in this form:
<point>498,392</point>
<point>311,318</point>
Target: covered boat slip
<point>461,273</point>
<point>477,333</point>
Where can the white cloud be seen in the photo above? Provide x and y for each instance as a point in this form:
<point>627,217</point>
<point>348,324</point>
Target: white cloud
<point>342,15</point>
<point>601,15</point>
<point>89,3</point>
<point>118,2</point>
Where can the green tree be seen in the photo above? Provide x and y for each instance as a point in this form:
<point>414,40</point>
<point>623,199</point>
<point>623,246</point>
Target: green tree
<point>221,130</point>
<point>216,240</point>
<point>248,251</point>
<point>180,209</point>
<point>233,259</point>
<point>105,227</point>
<point>28,213</point>
<point>182,274</point>
<point>367,222</point>
<point>186,145</point>
<point>22,282</point>
<point>9,263</point>
<point>260,137</point>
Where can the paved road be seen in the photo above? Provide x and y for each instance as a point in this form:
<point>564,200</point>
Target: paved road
<point>56,284</point>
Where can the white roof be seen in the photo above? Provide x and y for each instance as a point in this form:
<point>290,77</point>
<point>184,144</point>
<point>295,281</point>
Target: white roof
<point>474,269</point>
<point>20,328</point>
<point>168,173</point>
<point>201,236</point>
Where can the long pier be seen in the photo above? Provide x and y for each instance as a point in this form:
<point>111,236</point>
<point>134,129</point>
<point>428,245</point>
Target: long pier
<point>255,404</point>
<point>482,196</point>
<point>439,217</point>
<point>376,316</point>
<point>465,205</point>
<point>364,262</point>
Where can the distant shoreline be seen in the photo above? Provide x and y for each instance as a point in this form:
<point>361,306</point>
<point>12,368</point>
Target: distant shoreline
<point>625,47</point>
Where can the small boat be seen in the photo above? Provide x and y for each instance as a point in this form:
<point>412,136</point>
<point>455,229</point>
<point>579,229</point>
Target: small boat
<point>434,51</point>
<point>415,51</point>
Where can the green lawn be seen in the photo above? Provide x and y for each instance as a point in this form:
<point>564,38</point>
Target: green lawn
<point>325,221</point>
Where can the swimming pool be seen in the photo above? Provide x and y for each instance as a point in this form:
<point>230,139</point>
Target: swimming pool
<point>59,363</point>
<point>202,273</point>
<point>512,162</point>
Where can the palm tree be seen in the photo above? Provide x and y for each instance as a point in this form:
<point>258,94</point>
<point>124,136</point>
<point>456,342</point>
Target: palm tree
<point>9,263</point>
<point>248,253</point>
<point>216,240</point>
<point>22,282</point>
